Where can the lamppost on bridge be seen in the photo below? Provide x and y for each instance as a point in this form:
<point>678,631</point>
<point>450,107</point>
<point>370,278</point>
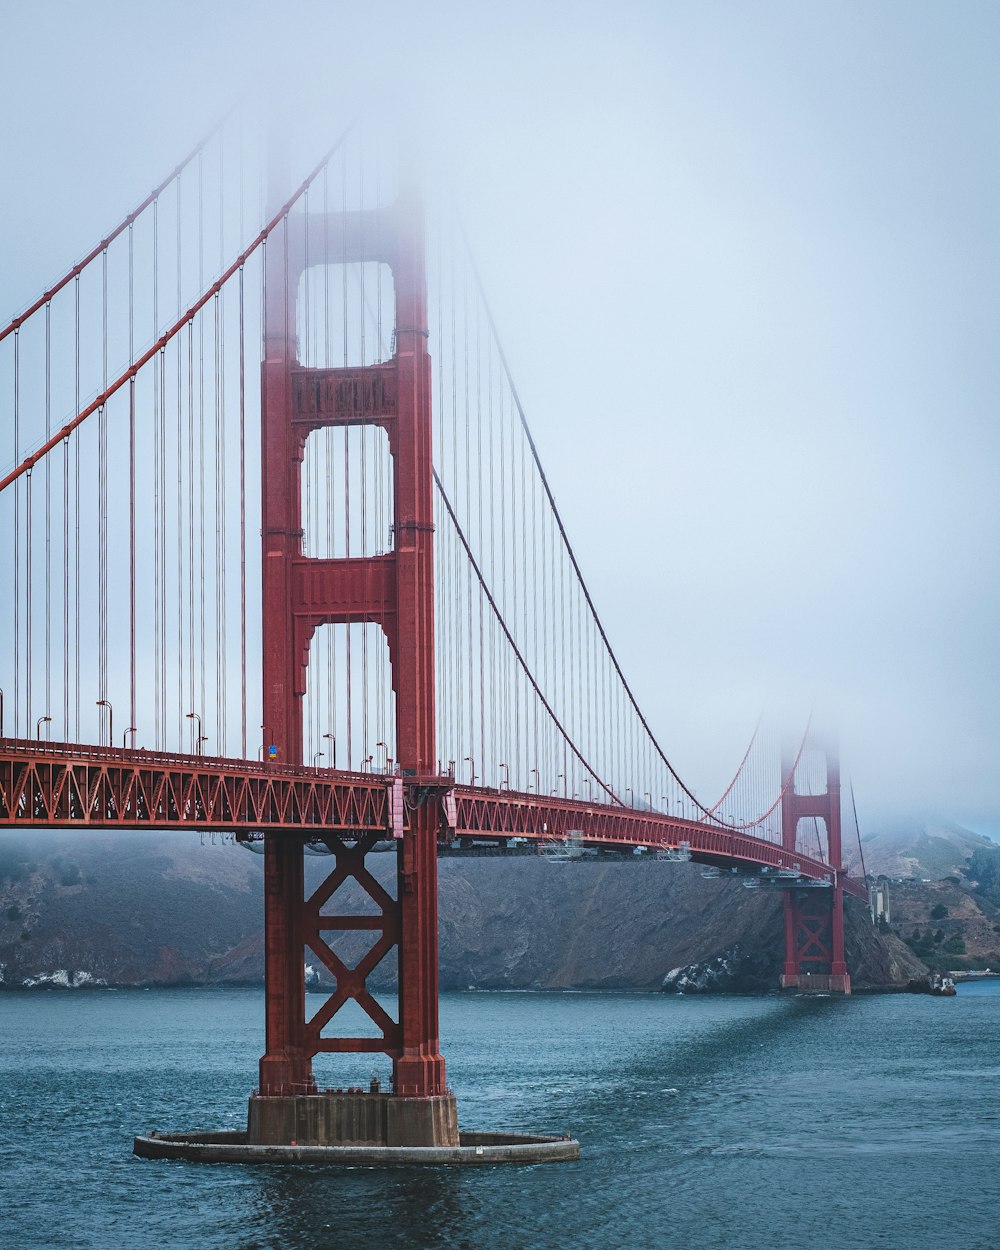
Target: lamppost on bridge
<point>505,779</point>
<point>472,768</point>
<point>385,750</point>
<point>111,719</point>
<point>631,799</point>
<point>42,720</point>
<point>200,739</point>
<point>333,756</point>
<point>648,798</point>
<point>318,756</point>
<point>560,777</point>
<point>533,772</point>
<point>132,729</point>
<point>1,712</point>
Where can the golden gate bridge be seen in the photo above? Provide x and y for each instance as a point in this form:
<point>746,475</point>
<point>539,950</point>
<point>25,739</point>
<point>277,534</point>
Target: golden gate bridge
<point>283,562</point>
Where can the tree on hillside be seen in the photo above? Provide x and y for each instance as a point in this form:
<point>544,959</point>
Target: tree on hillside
<point>984,868</point>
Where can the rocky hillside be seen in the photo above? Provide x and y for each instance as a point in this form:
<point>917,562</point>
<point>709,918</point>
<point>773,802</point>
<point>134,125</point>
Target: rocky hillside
<point>944,891</point>
<point>138,909</point>
<point>923,849</point>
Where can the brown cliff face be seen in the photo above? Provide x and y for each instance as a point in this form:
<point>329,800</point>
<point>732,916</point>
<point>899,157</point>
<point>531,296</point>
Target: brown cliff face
<point>138,909</point>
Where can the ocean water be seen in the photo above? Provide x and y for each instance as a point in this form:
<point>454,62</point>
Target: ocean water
<point>871,1122</point>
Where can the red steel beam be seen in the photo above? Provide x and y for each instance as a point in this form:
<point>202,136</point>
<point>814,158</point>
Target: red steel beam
<point>67,786</point>
<point>505,813</point>
<point>63,785</point>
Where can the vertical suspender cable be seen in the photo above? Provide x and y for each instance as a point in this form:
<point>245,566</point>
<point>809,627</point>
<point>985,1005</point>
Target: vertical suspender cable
<point>220,518</point>
<point>480,494</point>
<point>201,581</point>
<point>366,745</point>
<point>243,532</point>
<point>17,527</point>
<point>192,646</point>
<point>131,480</point>
<point>27,599</point>
<point>243,466</point>
<point>347,472</point>
<point>158,364</point>
<point>331,633</point>
<point>103,496</point>
<point>467,620</point>
<point>65,552</point>
<point>180,497</point>
<point>220,494</point>
<point>48,513</point>
<point>76,514</point>
<point>161,484</point>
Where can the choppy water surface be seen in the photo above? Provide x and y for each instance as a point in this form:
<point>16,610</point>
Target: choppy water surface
<point>745,1122</point>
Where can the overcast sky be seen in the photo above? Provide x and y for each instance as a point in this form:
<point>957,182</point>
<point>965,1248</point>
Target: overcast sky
<point>744,261</point>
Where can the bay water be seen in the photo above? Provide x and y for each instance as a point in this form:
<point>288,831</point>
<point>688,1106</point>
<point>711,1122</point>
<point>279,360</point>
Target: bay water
<point>766,1122</point>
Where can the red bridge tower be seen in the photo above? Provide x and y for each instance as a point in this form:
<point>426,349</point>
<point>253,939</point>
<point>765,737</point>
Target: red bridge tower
<point>814,917</point>
<point>396,591</point>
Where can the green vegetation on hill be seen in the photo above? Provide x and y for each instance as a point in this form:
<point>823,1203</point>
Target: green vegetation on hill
<point>984,872</point>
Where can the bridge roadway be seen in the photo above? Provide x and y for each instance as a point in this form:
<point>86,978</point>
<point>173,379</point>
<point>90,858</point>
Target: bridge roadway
<point>74,786</point>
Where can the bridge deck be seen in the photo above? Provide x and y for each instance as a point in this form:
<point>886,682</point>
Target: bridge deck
<point>73,786</point>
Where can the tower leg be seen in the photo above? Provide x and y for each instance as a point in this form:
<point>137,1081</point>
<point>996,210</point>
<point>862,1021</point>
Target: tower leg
<point>419,1070</point>
<point>790,972</point>
<point>285,1067</point>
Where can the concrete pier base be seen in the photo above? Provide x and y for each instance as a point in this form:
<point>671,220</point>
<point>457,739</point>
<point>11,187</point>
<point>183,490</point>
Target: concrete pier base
<point>352,1118</point>
<point>472,1150</point>
<point>817,983</point>
<point>356,1128</point>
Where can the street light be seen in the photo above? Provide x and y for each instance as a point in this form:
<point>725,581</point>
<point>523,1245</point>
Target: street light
<point>1,713</point>
<point>561,777</point>
<point>318,756</point>
<point>386,750</point>
<point>42,720</point>
<point>333,756</point>
<point>505,780</point>
<point>533,771</point>
<point>469,760</point>
<point>590,788</point>
<point>199,740</point>
<point>111,720</point>
<point>132,729</point>
<point>631,801</point>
